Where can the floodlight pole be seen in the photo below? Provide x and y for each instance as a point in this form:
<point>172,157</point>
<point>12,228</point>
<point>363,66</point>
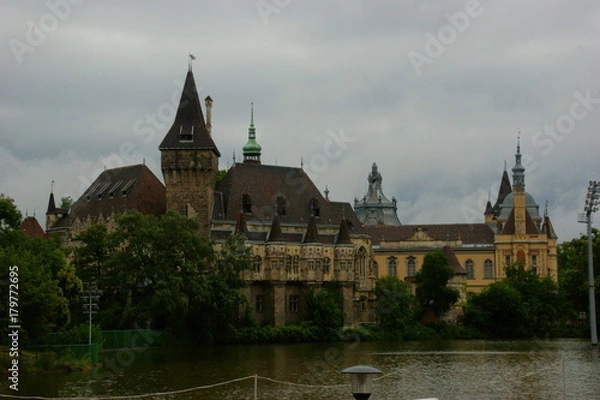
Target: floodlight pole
<point>591,206</point>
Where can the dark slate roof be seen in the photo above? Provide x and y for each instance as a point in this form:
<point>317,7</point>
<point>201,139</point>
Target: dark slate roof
<point>453,262</point>
<point>504,190</point>
<point>470,234</point>
<point>548,229</point>
<point>32,228</point>
<point>189,129</point>
<point>240,224</point>
<point>312,234</point>
<point>343,236</point>
<point>264,184</point>
<point>275,234</point>
<point>488,209</point>
<point>510,229</point>
<point>116,191</point>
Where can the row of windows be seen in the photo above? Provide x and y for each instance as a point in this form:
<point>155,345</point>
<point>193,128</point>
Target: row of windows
<point>411,267</point>
<point>293,264</point>
<point>293,303</point>
<point>488,269</point>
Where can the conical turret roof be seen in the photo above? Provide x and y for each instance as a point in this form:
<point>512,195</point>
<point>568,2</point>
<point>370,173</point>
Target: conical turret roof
<point>189,128</point>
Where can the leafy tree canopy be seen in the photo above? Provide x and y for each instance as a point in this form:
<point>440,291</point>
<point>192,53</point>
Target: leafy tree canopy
<point>432,292</point>
<point>393,308</point>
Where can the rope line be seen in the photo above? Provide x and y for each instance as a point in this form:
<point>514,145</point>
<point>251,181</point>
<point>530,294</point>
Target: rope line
<point>140,396</point>
<point>264,378</point>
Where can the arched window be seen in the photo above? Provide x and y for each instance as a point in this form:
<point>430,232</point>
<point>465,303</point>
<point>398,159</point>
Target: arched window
<point>257,264</point>
<point>281,209</point>
<point>392,266</point>
<point>246,203</point>
<point>315,211</point>
<point>470,267</point>
<point>411,266</point>
<point>488,269</point>
<point>362,262</point>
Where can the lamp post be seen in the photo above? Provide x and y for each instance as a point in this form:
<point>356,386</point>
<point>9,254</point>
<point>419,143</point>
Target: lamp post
<point>362,380</point>
<point>591,206</point>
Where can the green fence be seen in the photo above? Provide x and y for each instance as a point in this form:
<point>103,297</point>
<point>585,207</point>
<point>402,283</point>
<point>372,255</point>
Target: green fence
<point>133,338</point>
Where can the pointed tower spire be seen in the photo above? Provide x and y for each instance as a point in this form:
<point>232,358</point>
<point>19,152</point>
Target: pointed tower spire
<point>275,234</point>
<point>518,170</point>
<point>252,149</point>
<point>240,224</point>
<point>312,234</point>
<point>343,236</point>
<point>189,131</point>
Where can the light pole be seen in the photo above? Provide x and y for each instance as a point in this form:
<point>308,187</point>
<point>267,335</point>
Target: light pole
<point>362,380</point>
<point>591,206</point>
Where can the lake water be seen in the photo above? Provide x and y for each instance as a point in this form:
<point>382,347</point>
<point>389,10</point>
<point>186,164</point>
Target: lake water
<point>534,369</point>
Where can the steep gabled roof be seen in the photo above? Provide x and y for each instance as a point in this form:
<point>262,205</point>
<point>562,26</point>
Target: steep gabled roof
<point>548,229</point>
<point>116,191</point>
<point>453,262</point>
<point>32,228</point>
<point>275,234</point>
<point>240,224</point>
<point>469,234</point>
<point>510,229</point>
<point>343,236</point>
<point>276,190</point>
<point>504,190</point>
<point>312,234</point>
<point>189,128</point>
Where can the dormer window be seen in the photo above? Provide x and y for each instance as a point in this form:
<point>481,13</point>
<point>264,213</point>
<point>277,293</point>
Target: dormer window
<point>101,192</point>
<point>315,211</point>
<point>281,209</point>
<point>246,203</point>
<point>186,136</point>
<point>127,187</point>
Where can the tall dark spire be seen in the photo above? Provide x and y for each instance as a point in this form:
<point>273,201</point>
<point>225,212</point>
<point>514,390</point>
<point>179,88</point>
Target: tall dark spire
<point>252,149</point>
<point>518,170</point>
<point>189,129</point>
<point>312,234</point>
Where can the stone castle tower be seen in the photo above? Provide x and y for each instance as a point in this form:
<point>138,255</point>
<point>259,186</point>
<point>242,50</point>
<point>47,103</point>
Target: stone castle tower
<point>190,159</point>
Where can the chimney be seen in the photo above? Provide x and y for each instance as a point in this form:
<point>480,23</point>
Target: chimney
<point>208,103</point>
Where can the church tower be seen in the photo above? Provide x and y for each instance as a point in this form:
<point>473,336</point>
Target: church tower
<point>519,192</point>
<point>189,159</point>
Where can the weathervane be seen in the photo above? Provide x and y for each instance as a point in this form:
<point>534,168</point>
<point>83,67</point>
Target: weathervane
<point>191,58</point>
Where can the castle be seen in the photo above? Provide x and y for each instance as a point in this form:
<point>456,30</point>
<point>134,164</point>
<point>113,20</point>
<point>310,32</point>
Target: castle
<point>300,239</point>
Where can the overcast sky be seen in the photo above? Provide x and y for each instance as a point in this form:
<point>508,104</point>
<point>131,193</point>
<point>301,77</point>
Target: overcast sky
<point>434,92</point>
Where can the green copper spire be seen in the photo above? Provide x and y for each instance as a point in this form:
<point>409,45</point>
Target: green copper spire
<point>252,149</point>
<point>518,170</point>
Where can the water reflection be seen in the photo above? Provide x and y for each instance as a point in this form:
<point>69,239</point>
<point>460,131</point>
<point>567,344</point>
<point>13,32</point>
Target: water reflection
<point>535,369</point>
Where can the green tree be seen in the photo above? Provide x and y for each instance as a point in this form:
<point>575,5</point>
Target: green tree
<point>10,216</point>
<point>499,311</point>
<point>393,307</point>
<point>432,292</point>
<point>540,295</point>
<point>325,309</point>
<point>160,272</point>
<point>573,272</point>
<point>521,305</point>
<point>66,202</point>
<point>47,284</point>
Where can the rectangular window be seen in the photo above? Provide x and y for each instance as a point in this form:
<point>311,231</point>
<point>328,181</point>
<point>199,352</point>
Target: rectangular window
<point>507,260</point>
<point>311,265</point>
<point>293,303</point>
<point>534,260</point>
<point>259,303</point>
